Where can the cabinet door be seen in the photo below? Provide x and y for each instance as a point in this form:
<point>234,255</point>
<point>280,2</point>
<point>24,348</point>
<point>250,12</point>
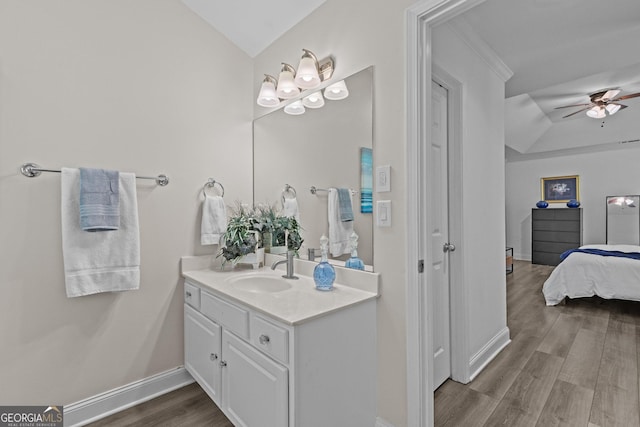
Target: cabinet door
<point>255,388</point>
<point>202,351</point>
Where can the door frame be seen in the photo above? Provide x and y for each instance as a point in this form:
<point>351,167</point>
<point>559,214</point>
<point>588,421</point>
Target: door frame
<point>420,18</point>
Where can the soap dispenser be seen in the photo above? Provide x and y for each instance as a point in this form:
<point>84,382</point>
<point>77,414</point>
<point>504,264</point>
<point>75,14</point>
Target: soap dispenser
<point>324,274</point>
<point>354,261</point>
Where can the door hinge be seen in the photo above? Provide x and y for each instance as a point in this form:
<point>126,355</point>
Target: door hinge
<point>420,266</point>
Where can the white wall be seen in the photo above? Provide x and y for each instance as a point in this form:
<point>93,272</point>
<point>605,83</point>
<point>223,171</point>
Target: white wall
<point>483,197</point>
<point>143,86</point>
<point>602,173</point>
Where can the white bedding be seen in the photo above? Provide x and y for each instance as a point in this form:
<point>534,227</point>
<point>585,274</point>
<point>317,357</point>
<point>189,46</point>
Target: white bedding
<point>585,275</point>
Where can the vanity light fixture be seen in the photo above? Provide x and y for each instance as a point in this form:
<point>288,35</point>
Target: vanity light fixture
<point>336,91</point>
<point>287,88</point>
<point>315,100</point>
<point>310,74</point>
<point>295,108</point>
<point>267,96</point>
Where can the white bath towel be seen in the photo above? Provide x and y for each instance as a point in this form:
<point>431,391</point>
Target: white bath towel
<point>339,231</point>
<point>214,220</point>
<point>290,208</point>
<point>100,262</point>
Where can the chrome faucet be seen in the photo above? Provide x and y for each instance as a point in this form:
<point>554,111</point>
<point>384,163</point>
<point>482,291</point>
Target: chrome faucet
<point>289,261</point>
<point>313,254</point>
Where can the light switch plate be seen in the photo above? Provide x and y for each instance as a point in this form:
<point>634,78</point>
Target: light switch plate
<point>383,179</point>
<point>383,213</point>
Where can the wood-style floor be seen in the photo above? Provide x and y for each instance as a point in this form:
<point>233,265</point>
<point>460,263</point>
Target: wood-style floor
<point>186,407</point>
<point>568,365</point>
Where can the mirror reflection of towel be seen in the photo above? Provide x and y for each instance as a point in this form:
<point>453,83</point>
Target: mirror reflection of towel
<point>290,208</point>
<point>339,231</point>
<point>344,204</point>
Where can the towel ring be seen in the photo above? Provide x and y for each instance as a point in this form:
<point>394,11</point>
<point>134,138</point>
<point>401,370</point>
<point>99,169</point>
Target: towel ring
<point>288,189</point>
<point>211,183</point>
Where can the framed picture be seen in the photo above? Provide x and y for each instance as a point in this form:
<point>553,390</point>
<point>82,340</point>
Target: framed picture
<point>560,189</point>
<point>366,180</point>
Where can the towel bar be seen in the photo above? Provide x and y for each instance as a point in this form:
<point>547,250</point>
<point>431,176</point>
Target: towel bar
<point>211,183</point>
<point>314,190</point>
<point>31,170</point>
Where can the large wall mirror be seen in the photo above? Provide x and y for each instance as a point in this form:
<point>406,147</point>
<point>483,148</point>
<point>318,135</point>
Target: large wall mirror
<point>623,220</point>
<point>320,148</point>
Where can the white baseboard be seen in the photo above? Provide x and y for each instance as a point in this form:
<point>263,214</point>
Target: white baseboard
<point>488,352</point>
<point>380,422</point>
<point>116,400</point>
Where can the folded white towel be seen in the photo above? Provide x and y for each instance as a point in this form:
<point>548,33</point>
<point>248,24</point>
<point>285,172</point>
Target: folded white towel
<point>339,231</point>
<point>214,220</point>
<point>290,208</point>
<point>100,262</point>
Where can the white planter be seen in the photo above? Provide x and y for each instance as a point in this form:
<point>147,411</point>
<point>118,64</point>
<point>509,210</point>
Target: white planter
<point>256,259</point>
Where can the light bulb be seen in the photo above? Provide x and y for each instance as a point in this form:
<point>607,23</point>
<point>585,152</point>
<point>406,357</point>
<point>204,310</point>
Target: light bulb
<point>287,88</point>
<point>307,76</point>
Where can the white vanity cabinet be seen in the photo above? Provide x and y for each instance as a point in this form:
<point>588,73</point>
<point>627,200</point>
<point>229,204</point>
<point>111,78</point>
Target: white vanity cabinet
<point>264,372</point>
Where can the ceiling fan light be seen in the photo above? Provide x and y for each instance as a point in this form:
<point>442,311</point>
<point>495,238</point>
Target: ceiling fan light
<point>612,108</point>
<point>596,112</point>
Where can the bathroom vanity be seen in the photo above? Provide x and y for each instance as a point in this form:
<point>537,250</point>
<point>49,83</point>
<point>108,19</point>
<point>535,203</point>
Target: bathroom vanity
<point>276,352</point>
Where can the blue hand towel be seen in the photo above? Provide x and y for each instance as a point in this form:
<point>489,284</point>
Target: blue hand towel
<point>99,199</point>
<point>344,204</point>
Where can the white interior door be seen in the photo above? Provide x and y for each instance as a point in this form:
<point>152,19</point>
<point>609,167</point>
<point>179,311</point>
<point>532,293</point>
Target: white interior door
<point>439,212</point>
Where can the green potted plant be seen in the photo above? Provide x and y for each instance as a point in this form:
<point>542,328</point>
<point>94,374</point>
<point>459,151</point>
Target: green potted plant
<point>241,241</point>
<point>280,233</point>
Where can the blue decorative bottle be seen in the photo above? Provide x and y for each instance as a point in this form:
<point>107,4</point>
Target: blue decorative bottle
<point>354,261</point>
<point>324,274</point>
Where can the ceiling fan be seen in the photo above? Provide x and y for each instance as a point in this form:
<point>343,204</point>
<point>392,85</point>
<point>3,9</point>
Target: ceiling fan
<point>602,103</point>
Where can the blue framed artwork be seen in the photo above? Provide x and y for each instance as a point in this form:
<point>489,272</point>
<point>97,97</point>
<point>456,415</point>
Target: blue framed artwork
<point>366,180</point>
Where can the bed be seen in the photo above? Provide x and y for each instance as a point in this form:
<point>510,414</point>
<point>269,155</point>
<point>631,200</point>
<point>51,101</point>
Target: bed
<point>583,274</point>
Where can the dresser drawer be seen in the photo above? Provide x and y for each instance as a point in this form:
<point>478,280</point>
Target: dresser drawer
<point>270,338</point>
<point>192,295</point>
<point>234,318</point>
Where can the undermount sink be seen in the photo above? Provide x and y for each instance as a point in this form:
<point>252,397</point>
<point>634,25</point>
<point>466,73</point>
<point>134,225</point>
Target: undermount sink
<point>259,283</point>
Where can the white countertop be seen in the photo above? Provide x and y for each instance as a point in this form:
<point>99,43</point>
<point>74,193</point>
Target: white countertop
<point>296,305</point>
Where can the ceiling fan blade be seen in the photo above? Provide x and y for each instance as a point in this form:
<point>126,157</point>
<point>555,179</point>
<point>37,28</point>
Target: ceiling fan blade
<point>569,106</point>
<point>576,112</point>
<point>610,94</point>
<point>633,95</point>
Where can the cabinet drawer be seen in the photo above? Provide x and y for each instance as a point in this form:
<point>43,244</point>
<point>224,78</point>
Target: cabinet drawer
<point>270,338</point>
<point>192,295</point>
<point>231,316</point>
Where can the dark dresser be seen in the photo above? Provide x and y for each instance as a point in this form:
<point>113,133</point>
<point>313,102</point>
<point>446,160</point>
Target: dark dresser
<point>554,231</point>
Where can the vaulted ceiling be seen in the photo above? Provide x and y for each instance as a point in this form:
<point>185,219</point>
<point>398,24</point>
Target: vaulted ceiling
<point>560,51</point>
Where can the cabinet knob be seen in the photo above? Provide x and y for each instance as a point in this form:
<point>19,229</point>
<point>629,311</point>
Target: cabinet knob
<point>213,356</point>
<point>188,294</point>
<point>264,339</point>
<point>223,363</point>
